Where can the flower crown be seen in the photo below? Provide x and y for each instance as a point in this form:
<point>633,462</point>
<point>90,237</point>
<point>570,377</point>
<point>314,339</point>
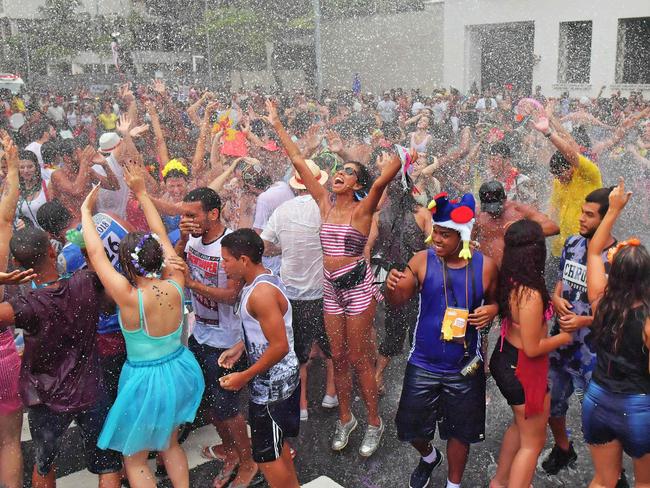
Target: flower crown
<point>135,257</point>
<point>634,242</point>
<point>175,164</point>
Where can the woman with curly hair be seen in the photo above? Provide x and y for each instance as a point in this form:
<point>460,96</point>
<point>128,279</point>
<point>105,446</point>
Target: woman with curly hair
<point>616,407</point>
<point>519,363</point>
<point>349,293</point>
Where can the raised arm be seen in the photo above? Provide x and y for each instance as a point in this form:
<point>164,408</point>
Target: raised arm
<point>596,275</point>
<point>198,161</point>
<point>549,228</point>
<point>390,165</point>
<point>317,191</point>
<point>193,110</point>
<point>135,181</point>
<point>116,285</point>
<point>563,145</point>
<point>8,207</point>
<point>161,145</point>
<point>78,186</point>
<point>217,183</point>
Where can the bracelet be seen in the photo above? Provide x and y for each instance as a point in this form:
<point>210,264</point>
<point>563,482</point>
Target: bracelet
<point>548,135</point>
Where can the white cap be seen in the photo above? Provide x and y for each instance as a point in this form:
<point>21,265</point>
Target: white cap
<point>321,176</point>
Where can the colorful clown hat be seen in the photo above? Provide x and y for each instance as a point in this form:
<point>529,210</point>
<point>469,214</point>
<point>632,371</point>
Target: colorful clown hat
<point>457,215</point>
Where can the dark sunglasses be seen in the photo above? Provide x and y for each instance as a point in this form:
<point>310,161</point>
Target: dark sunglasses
<point>350,171</point>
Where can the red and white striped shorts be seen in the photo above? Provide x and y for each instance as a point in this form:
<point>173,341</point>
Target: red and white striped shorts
<point>352,301</point>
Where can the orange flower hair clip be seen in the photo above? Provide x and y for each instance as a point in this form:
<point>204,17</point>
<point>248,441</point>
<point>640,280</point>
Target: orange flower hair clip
<point>629,242</point>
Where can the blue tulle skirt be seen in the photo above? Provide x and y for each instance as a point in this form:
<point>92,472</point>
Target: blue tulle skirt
<point>153,399</point>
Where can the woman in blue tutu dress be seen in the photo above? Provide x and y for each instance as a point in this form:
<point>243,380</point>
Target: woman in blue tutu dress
<point>161,384</point>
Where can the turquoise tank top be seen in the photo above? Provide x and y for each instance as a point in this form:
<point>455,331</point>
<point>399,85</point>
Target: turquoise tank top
<point>140,346</point>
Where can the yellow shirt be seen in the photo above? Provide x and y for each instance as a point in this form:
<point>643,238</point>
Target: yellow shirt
<point>567,200</point>
<point>108,121</point>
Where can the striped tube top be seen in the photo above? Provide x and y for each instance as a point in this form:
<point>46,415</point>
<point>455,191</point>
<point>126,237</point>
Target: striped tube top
<point>342,240</point>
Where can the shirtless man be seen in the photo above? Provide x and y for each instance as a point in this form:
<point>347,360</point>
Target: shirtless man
<point>74,180</point>
<point>496,215</point>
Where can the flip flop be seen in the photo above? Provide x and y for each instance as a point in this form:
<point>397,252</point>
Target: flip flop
<point>208,452</point>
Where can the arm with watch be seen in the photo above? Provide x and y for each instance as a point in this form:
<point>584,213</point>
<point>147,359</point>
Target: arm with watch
<point>566,147</point>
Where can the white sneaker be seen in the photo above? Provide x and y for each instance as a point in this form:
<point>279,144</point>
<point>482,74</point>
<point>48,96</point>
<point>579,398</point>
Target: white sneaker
<point>304,415</point>
<point>330,401</point>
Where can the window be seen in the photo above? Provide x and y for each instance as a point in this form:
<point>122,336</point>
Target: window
<point>575,52</point>
<point>633,51</point>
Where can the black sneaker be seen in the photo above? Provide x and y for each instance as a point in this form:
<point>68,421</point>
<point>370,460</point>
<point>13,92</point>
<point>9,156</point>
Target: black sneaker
<point>422,473</point>
<point>622,481</point>
<point>559,459</point>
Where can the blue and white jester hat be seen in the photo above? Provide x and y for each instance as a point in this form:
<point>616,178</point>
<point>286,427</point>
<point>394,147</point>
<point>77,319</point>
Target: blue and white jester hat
<point>457,215</point>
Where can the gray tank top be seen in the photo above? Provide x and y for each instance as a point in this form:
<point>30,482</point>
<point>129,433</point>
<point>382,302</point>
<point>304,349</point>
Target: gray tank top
<point>279,382</point>
<point>399,238</point>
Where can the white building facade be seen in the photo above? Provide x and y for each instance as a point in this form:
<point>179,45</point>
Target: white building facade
<point>577,45</point>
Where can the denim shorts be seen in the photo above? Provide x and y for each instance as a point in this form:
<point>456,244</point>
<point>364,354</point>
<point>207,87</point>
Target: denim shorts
<point>48,428</point>
<point>455,402</point>
<point>221,404</point>
<point>608,416</point>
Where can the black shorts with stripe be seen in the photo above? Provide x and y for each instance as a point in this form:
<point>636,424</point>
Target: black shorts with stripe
<point>271,423</point>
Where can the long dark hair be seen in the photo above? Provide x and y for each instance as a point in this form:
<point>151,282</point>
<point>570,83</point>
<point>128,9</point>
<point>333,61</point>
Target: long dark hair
<point>628,283</point>
<point>363,178</point>
<point>522,267</point>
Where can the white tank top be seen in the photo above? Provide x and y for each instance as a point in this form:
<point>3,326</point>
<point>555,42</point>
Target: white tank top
<point>279,382</point>
<point>29,209</point>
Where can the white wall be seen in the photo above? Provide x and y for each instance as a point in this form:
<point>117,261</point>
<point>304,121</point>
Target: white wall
<point>388,51</point>
<point>547,15</point>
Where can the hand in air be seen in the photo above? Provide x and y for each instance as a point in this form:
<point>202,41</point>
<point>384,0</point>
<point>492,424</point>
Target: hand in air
<point>272,113</point>
<point>618,197</point>
<point>137,131</point>
<point>17,277</point>
<point>124,125</point>
<point>133,177</point>
<point>542,124</point>
<point>91,199</point>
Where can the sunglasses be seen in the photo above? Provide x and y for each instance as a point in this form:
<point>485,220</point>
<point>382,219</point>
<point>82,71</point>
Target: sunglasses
<point>350,171</point>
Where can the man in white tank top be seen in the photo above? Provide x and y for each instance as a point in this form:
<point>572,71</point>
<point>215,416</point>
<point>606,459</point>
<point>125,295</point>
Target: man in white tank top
<point>265,311</point>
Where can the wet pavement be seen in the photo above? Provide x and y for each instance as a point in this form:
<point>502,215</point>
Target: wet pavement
<point>389,467</point>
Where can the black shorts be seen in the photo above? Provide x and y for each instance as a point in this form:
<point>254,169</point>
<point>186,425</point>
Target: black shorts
<point>503,365</point>
<point>271,424</point>
<point>454,401</point>
<point>48,428</point>
<point>221,404</point>
<point>308,327</point>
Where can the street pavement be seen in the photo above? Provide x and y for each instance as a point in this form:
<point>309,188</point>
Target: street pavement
<point>389,467</point>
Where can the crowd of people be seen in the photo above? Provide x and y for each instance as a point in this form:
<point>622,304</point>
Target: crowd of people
<point>159,256</point>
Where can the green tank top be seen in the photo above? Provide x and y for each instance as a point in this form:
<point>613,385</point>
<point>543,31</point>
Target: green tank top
<point>140,346</point>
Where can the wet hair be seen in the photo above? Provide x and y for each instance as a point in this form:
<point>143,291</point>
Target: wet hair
<point>500,149</point>
<point>67,147</point>
<point>29,246</point>
<point>244,242</point>
<point>150,256</point>
<point>601,197</point>
<point>207,196</point>
<point>175,173</point>
<point>401,200</point>
<point>30,156</point>
<point>26,155</point>
<point>558,164</point>
<point>363,178</point>
<point>49,151</point>
<point>53,217</point>
<point>39,129</point>
<point>581,136</point>
<point>628,283</point>
<point>524,243</point>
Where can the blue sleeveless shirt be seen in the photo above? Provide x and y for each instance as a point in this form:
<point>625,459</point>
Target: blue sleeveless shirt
<point>429,351</point>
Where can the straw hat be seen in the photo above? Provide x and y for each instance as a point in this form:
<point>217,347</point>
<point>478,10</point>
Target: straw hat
<point>321,176</point>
